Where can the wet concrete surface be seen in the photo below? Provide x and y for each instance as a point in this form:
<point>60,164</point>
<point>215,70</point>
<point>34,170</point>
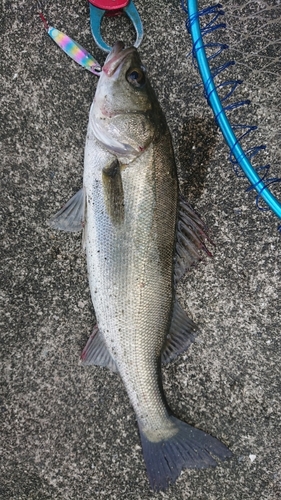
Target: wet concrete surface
<point>69,432</point>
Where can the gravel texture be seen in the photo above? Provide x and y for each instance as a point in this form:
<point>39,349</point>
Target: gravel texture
<point>69,432</point>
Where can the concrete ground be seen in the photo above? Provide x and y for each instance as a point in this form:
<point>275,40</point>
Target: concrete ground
<point>69,432</point>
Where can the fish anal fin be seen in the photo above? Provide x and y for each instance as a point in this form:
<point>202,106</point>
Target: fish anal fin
<point>96,353</point>
<point>182,333</point>
<point>113,192</point>
<point>71,216</point>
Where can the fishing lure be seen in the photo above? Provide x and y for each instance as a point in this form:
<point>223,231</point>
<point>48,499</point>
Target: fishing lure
<point>237,156</point>
<point>98,8</point>
<point>72,48</point>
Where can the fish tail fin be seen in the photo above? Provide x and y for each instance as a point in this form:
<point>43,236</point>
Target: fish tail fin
<point>187,448</point>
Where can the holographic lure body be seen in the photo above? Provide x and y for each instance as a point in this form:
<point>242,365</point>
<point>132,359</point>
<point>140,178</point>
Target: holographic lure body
<point>72,48</point>
<point>75,51</point>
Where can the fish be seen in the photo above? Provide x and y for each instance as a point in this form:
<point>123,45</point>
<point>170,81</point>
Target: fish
<point>140,236</point>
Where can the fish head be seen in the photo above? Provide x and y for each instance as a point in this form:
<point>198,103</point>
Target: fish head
<point>125,115</point>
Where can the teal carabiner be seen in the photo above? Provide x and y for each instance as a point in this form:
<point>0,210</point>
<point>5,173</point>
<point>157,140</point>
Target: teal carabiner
<point>99,8</point>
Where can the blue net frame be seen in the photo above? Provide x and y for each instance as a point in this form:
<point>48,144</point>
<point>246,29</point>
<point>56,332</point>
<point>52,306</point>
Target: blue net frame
<point>238,157</point>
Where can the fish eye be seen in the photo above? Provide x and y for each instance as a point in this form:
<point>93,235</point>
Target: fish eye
<point>136,77</point>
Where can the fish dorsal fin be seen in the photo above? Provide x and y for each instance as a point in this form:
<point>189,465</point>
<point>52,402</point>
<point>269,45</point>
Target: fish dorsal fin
<point>71,216</point>
<point>113,192</point>
<point>95,352</point>
<point>182,333</point>
<point>192,236</point>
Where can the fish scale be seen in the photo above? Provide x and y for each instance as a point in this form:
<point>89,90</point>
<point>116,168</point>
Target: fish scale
<point>136,336</point>
<point>140,237</point>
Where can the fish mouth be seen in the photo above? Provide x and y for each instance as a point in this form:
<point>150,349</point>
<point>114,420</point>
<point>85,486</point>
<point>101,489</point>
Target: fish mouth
<point>116,57</point>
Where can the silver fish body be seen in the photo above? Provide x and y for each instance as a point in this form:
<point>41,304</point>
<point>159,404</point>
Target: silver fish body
<point>130,268</point>
<point>137,235</point>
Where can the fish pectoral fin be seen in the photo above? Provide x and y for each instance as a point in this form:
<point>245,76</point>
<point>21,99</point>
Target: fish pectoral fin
<point>71,216</point>
<point>95,352</point>
<point>192,236</point>
<point>182,333</point>
<point>113,192</point>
